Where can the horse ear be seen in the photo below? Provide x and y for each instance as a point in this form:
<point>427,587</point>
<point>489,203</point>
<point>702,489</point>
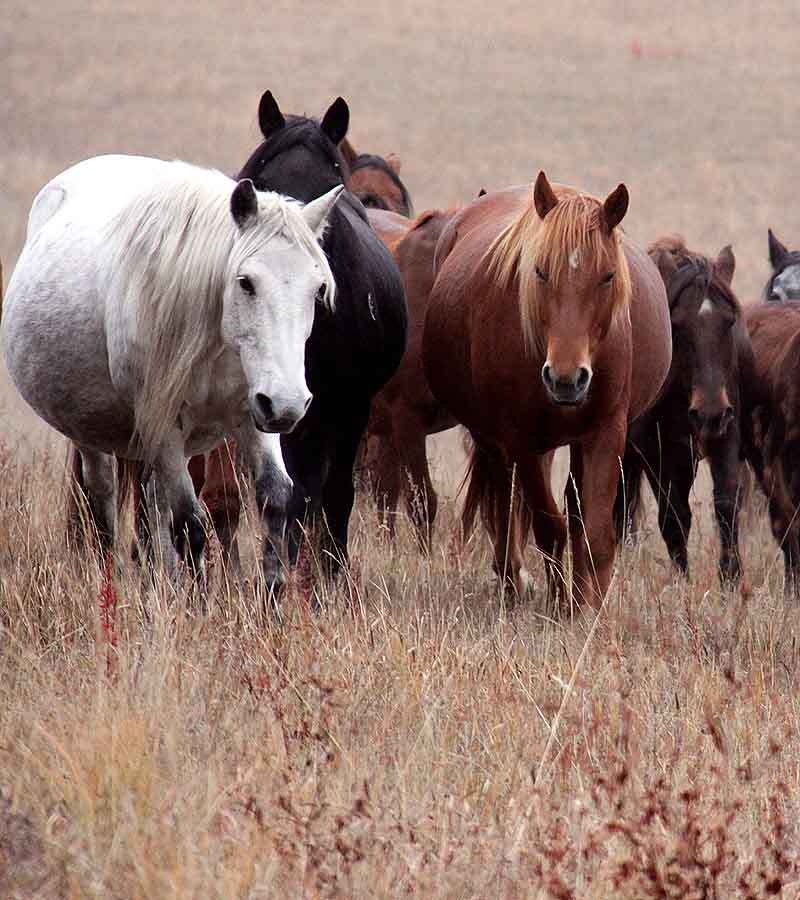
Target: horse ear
<point>777,251</point>
<point>615,207</point>
<point>336,120</point>
<point>316,213</point>
<point>481,193</point>
<point>394,163</point>
<point>725,264</point>
<point>544,197</point>
<point>348,151</point>
<point>244,204</point>
<point>665,263</point>
<point>270,117</point>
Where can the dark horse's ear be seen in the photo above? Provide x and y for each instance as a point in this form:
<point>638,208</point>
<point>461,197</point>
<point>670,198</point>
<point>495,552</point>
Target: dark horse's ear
<point>336,120</point>
<point>777,251</point>
<point>544,197</point>
<point>270,117</point>
<point>244,204</point>
<point>666,264</point>
<point>481,193</point>
<point>394,162</point>
<point>615,207</point>
<point>725,264</point>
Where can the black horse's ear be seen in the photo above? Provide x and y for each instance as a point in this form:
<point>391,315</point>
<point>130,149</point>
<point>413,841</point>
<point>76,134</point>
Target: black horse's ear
<point>336,120</point>
<point>777,251</point>
<point>725,264</point>
<point>481,193</point>
<point>270,117</point>
<point>244,204</point>
<point>615,206</point>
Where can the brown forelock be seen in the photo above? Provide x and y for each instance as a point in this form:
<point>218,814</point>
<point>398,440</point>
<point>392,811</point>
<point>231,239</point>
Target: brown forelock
<point>696,269</point>
<point>530,243</point>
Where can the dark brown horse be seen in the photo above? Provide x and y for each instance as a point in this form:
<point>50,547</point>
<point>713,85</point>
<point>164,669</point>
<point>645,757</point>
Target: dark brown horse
<point>701,410</point>
<point>375,180</point>
<point>405,412</point>
<point>546,327</point>
<point>775,335</point>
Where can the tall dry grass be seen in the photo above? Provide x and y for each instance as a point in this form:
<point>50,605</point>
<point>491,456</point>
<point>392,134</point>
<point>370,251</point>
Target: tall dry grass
<point>414,738</point>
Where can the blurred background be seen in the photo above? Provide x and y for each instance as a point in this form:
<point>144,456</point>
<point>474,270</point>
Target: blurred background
<point>693,105</point>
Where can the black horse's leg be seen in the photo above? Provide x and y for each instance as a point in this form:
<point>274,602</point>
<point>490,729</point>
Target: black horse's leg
<point>307,459</point>
<point>671,483</point>
<point>626,504</point>
<point>338,492</point>
<point>724,464</point>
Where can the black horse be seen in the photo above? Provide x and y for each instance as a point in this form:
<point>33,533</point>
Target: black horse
<point>352,351</point>
<point>784,282</point>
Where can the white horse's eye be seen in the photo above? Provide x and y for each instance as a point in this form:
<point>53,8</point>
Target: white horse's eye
<point>246,285</point>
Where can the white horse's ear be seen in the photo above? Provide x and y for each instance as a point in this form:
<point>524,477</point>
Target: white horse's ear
<point>244,204</point>
<point>317,212</point>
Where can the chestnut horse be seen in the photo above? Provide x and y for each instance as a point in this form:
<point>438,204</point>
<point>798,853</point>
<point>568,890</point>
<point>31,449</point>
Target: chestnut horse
<point>702,408</point>
<point>405,412</point>
<point>375,180</point>
<point>775,335</point>
<point>546,327</point>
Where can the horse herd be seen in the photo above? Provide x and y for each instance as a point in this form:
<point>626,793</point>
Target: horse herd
<point>181,328</point>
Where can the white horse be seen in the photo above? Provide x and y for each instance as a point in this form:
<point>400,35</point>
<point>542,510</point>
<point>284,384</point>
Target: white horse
<point>156,309</point>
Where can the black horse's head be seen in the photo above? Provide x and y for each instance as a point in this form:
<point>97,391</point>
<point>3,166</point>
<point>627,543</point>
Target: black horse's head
<point>784,282</point>
<point>299,156</point>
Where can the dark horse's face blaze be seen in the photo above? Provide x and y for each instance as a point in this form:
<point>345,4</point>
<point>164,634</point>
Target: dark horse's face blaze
<point>784,282</point>
<point>704,314</point>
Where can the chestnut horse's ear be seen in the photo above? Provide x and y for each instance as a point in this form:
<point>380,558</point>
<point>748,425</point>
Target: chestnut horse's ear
<point>348,151</point>
<point>270,117</point>
<point>544,197</point>
<point>394,163</point>
<point>725,264</point>
<point>615,207</point>
<point>666,264</point>
<point>777,251</point>
<point>336,120</point>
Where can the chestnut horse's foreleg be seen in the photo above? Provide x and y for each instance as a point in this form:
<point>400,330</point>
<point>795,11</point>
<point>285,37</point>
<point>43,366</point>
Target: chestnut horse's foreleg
<point>549,524</point>
<point>222,496</point>
<point>593,482</point>
<point>383,465</point>
<point>724,464</point>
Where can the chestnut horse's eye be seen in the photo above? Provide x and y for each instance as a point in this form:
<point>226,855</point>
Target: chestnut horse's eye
<point>246,285</point>
<point>608,279</point>
<point>541,275</point>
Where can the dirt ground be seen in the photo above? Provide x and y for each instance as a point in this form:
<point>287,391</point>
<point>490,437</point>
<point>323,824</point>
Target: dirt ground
<point>694,106</point>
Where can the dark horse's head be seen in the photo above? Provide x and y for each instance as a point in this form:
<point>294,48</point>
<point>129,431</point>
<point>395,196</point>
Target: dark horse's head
<point>704,313</point>
<point>299,156</point>
<point>375,180</point>
<point>784,282</point>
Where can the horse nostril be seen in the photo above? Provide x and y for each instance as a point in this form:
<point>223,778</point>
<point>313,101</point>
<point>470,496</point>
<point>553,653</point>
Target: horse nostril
<point>547,375</point>
<point>308,403</point>
<point>582,379</point>
<point>695,418</point>
<point>264,405</point>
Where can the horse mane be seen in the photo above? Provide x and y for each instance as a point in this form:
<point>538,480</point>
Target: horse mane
<point>530,243</point>
<point>178,248</point>
<point>693,268</point>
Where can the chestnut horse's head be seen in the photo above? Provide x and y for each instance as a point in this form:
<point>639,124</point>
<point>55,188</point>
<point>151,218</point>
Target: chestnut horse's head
<point>573,280</point>
<point>704,312</point>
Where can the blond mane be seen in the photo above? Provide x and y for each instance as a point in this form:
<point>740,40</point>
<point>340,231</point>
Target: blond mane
<point>530,243</point>
<point>177,248</point>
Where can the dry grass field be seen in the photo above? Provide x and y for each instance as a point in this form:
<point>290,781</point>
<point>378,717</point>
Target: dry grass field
<point>417,737</point>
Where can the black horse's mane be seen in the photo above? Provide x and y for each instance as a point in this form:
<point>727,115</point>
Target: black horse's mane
<point>700,270</point>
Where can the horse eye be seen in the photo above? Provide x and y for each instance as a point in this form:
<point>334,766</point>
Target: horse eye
<point>540,274</point>
<point>608,279</point>
<point>246,285</point>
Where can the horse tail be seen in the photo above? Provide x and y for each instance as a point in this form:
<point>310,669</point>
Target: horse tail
<point>480,487</point>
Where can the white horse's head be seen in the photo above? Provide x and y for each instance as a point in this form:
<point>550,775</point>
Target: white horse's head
<point>275,278</point>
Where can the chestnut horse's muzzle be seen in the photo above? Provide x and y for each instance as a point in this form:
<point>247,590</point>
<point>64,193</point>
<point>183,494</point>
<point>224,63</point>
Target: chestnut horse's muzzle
<point>570,391</point>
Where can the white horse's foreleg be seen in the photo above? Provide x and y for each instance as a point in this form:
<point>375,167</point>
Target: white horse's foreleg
<point>98,480</point>
<point>262,453</point>
<point>176,518</point>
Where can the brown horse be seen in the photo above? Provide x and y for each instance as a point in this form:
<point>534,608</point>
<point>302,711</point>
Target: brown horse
<point>775,335</point>
<point>538,305</point>
<point>375,180</point>
<point>702,408</point>
<point>405,412</point>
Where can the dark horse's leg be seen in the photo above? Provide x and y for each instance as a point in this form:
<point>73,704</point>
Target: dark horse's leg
<point>671,477</point>
<point>629,492</point>
<point>724,462</point>
<point>221,495</point>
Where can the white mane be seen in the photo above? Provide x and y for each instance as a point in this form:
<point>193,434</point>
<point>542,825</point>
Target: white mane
<point>177,248</point>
